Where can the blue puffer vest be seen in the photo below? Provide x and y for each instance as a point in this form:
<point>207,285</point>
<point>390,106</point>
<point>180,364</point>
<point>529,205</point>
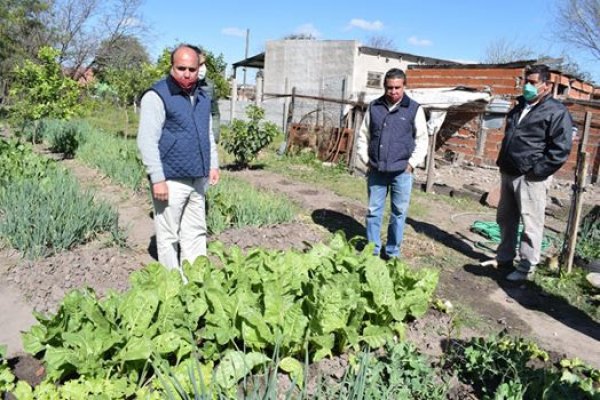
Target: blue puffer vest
<point>392,134</point>
<point>184,144</point>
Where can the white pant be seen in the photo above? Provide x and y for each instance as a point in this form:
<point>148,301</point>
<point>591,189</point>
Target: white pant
<point>180,222</point>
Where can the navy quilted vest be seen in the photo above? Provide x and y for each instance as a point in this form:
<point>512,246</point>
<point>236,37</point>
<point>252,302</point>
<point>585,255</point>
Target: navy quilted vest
<point>392,134</point>
<point>184,144</point>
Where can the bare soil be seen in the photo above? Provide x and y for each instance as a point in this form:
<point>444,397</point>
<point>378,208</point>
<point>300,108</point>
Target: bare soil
<point>440,238</point>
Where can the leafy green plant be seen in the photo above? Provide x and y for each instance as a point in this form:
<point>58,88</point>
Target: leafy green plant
<point>65,140</point>
<point>510,369</point>
<point>402,373</point>
<point>324,302</point>
<point>42,208</point>
<point>20,162</point>
<point>588,237</point>
<point>245,139</point>
<point>234,204</point>
<point>7,379</point>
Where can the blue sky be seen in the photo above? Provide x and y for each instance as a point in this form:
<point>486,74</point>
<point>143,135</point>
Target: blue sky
<point>457,30</point>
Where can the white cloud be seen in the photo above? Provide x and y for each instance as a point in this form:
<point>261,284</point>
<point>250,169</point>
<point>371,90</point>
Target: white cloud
<point>308,29</point>
<point>419,42</point>
<point>131,22</point>
<point>464,61</point>
<point>366,25</point>
<point>232,31</point>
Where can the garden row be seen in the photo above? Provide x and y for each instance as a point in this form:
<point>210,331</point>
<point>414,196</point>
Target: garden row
<point>44,210</point>
<point>243,321</point>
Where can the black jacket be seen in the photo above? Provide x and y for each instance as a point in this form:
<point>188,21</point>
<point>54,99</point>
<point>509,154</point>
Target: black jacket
<point>538,145</point>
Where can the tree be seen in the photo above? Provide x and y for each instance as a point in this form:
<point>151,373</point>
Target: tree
<point>381,42</point>
<point>216,66</point>
<point>79,27</point>
<point>41,90</point>
<point>125,52</point>
<point>502,51</point>
<point>578,23</point>
<point>22,33</point>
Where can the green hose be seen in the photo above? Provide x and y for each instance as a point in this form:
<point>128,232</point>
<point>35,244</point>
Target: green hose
<point>491,231</point>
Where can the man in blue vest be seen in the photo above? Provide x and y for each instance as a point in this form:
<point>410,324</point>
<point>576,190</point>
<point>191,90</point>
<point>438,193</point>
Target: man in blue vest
<point>392,141</point>
<point>178,149</point>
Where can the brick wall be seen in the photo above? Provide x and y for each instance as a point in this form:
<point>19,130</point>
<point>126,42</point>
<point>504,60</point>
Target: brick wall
<point>462,135</point>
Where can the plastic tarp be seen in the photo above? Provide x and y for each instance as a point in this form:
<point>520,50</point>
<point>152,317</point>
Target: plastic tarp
<point>437,102</point>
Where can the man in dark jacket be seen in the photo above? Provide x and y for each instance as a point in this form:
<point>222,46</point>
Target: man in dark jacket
<point>178,149</point>
<point>537,142</point>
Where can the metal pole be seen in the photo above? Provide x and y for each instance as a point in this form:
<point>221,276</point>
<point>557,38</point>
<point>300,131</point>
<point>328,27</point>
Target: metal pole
<point>246,54</point>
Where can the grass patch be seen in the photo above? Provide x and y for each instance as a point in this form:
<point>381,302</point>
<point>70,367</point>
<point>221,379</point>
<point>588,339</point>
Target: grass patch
<point>573,288</point>
<point>109,118</point>
<point>116,157</point>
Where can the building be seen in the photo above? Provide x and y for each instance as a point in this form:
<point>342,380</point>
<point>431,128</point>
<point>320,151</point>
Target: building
<point>476,137</point>
<point>327,69</point>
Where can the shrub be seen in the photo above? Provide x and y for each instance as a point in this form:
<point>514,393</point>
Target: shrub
<point>244,140</point>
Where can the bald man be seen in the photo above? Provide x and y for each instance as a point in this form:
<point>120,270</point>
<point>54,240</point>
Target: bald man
<point>178,149</point>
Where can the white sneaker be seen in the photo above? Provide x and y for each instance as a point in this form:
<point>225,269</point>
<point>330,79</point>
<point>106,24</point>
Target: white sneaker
<point>518,276</point>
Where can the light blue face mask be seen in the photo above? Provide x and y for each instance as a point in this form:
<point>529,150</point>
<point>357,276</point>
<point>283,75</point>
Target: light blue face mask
<point>530,92</point>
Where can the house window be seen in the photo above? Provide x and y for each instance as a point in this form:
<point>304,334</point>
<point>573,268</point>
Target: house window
<point>374,79</point>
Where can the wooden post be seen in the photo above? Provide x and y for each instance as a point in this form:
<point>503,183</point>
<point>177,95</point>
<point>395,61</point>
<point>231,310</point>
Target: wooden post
<point>342,105</point>
<point>290,115</point>
<point>572,228</point>
<point>578,196</point>
<point>430,161</point>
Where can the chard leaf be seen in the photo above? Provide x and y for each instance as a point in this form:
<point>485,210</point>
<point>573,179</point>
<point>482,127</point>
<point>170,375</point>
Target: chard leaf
<point>379,281</point>
<point>171,314</point>
<point>196,308</point>
<point>294,325</point>
<point>137,348</point>
<point>235,365</point>
<point>137,311</point>
<point>294,368</point>
<point>90,342</point>
<point>331,313</point>
<point>59,361</point>
<point>195,272</point>
<point>376,336</point>
<point>167,343</point>
<point>324,344</point>
<point>34,340</point>
<point>254,319</point>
